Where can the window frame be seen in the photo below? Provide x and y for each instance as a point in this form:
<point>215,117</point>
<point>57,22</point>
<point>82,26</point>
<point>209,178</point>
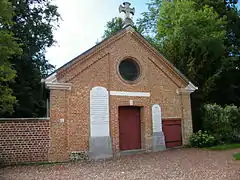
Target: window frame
<point>139,69</point>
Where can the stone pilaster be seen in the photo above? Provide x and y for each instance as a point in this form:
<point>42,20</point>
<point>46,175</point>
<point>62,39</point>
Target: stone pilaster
<point>187,128</point>
<point>58,150</point>
<point>58,127</point>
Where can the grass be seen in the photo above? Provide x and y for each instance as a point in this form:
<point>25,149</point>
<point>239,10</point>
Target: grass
<point>37,163</point>
<point>237,156</point>
<point>224,147</point>
<point>41,163</point>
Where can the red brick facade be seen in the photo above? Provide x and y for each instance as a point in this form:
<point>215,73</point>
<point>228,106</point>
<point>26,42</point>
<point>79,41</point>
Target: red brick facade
<point>70,93</point>
<point>24,140</point>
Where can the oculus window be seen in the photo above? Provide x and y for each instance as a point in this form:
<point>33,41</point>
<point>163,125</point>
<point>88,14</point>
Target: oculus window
<point>129,70</point>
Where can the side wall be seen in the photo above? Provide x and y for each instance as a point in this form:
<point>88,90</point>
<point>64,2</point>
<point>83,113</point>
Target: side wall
<point>58,126</point>
<point>25,140</point>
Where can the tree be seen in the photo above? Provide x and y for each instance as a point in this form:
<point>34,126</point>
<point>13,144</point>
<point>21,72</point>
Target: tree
<point>8,47</point>
<point>193,40</point>
<point>229,79</point>
<point>112,27</point>
<point>34,22</point>
<point>148,23</point>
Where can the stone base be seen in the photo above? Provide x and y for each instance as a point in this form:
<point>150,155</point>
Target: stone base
<point>100,148</point>
<point>158,142</point>
<point>132,152</point>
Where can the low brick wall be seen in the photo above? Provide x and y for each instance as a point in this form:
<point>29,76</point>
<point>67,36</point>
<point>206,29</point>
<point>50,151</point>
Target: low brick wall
<point>24,140</point>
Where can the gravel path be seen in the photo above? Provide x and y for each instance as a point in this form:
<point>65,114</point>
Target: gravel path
<point>190,164</point>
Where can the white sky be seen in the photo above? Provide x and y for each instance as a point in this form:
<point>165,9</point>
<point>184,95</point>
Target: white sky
<point>83,24</point>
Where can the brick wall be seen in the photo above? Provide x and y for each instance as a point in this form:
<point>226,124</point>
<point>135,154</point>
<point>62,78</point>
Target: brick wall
<point>24,140</point>
<point>99,67</point>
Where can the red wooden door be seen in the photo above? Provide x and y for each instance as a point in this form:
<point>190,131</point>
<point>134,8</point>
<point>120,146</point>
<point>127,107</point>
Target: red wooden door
<point>129,128</point>
<point>173,132</point>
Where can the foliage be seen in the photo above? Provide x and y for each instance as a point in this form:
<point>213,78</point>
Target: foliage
<point>232,113</point>
<point>148,23</point>
<point>192,39</point>
<point>224,147</point>
<point>113,26</point>
<point>237,156</point>
<point>216,123</point>
<point>223,123</point>
<point>202,38</point>
<point>228,81</point>
<point>34,22</point>
<point>8,47</point>
<point>202,139</point>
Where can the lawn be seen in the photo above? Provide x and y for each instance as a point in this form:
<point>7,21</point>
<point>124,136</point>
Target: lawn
<point>227,147</point>
<point>224,147</point>
<point>237,156</point>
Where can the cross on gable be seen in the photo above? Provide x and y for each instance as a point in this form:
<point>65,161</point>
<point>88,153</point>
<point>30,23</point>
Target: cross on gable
<point>128,11</point>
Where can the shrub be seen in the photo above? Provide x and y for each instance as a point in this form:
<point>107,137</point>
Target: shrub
<point>223,123</point>
<point>202,139</point>
<point>212,113</point>
<point>237,156</point>
<point>232,113</point>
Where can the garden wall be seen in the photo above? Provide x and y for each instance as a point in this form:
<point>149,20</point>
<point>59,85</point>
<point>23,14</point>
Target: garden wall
<point>24,140</point>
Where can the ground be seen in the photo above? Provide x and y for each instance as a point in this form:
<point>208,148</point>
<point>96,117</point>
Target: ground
<point>176,164</point>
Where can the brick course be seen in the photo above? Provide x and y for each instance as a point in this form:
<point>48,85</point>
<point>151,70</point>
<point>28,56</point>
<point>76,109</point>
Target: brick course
<point>25,140</point>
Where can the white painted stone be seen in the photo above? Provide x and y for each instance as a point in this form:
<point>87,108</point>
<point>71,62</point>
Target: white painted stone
<point>133,94</point>
<point>131,102</point>
<point>99,112</point>
<point>156,118</point>
<point>158,140</point>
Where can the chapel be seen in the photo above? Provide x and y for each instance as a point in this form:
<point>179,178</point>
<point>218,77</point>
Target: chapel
<point>119,97</point>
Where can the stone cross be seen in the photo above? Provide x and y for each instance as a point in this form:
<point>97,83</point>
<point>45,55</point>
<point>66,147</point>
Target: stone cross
<point>128,11</point>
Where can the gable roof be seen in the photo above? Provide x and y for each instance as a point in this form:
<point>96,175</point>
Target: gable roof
<point>108,40</point>
<point>69,63</point>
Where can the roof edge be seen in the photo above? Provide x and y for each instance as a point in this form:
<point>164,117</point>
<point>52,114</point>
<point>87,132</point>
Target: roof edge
<point>165,60</point>
<point>128,27</point>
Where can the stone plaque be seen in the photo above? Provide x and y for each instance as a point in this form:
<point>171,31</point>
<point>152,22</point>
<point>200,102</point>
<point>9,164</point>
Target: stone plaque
<point>158,138</point>
<point>156,118</point>
<point>99,112</point>
<point>100,144</point>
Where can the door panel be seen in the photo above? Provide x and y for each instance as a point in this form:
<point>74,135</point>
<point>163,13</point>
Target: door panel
<point>173,133</point>
<point>129,128</point>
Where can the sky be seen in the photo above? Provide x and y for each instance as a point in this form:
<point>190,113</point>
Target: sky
<point>83,23</point>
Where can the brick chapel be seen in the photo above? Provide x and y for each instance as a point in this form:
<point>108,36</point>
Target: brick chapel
<point>120,97</point>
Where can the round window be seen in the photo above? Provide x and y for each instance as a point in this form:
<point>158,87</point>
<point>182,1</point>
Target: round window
<point>129,70</point>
